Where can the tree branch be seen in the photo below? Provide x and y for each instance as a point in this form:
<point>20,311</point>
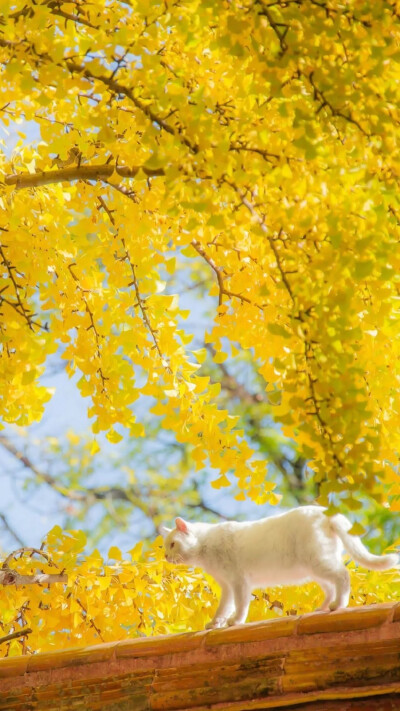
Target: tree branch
<point>11,530</point>
<point>78,172</point>
<point>218,271</point>
<point>307,346</point>
<point>221,276</point>
<point>73,18</point>
<point>99,493</point>
<point>260,221</point>
<point>97,335</point>
<point>89,619</point>
<point>87,496</point>
<point>18,305</point>
<point>14,635</point>
<point>46,478</point>
<point>9,43</point>
<point>54,8</point>
<point>275,26</point>
<point>141,303</point>
<point>118,88</point>
<point>231,384</point>
<point>9,576</point>
<point>320,97</point>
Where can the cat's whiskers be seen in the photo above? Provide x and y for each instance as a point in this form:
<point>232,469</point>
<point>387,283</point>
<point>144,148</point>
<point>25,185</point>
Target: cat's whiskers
<point>177,559</point>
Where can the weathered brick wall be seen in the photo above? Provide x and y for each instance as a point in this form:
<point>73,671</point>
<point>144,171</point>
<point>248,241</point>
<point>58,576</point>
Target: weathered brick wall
<point>385,702</point>
<point>348,659</point>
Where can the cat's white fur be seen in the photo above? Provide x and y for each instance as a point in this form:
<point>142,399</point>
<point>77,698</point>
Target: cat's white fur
<point>290,548</point>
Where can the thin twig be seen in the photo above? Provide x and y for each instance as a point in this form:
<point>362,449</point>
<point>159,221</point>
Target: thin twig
<point>307,346</point>
<point>314,399</point>
<point>262,224</point>
<point>320,97</point>
<point>10,576</point>
<point>55,10</point>
<point>14,635</point>
<point>18,305</point>
<point>231,384</point>
<point>221,276</point>
<point>43,476</point>
<point>90,619</point>
<point>275,26</point>
<point>93,326</point>
<point>11,530</point>
<point>121,89</point>
<point>218,271</point>
<point>31,551</point>
<point>141,303</point>
<point>86,495</point>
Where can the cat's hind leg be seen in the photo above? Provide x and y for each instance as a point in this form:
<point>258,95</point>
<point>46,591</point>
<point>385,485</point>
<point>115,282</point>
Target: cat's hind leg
<point>224,609</point>
<point>342,589</point>
<point>338,577</point>
<point>241,595</point>
<point>328,569</point>
<point>330,591</point>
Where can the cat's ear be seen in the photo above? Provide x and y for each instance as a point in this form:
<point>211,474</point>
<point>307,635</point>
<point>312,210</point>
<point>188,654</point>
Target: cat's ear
<point>181,525</point>
<point>164,531</point>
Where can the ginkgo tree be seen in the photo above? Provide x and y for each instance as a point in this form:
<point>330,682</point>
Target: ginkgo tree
<point>256,140</point>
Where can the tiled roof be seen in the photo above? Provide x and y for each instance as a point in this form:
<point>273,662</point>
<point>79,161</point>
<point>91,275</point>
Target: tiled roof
<point>311,661</point>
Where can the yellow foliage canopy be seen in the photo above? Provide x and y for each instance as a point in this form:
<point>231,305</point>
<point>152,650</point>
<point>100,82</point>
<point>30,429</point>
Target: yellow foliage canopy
<point>260,139</point>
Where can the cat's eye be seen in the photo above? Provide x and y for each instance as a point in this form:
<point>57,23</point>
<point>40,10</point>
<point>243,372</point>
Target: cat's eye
<point>172,544</point>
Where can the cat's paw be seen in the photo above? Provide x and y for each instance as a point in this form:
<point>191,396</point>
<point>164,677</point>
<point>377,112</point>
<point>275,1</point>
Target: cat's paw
<point>233,620</point>
<point>217,623</point>
<point>335,606</point>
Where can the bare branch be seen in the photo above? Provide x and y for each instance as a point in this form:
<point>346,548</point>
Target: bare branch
<point>43,476</point>
<point>87,496</point>
<point>9,528</point>
<point>231,384</point>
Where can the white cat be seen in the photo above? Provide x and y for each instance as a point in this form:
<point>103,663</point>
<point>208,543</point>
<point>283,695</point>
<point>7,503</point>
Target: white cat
<point>291,548</point>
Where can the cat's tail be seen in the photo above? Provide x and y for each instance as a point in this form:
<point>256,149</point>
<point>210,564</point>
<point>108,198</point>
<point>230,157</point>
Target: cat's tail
<point>358,551</point>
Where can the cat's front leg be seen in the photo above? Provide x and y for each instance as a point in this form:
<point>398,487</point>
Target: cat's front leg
<point>241,596</point>
<point>224,609</point>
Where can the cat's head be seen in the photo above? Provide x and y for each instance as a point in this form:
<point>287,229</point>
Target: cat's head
<point>180,543</point>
